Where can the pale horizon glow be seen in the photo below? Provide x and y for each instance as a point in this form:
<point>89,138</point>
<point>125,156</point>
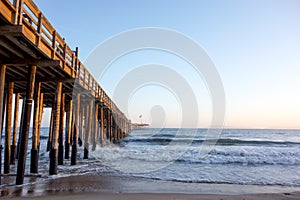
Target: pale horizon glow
<point>254,44</point>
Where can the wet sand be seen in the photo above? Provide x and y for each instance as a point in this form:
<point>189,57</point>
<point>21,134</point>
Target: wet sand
<point>93,186</point>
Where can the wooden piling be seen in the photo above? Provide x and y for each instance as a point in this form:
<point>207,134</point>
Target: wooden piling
<point>81,124</point>
<point>3,112</point>
<point>15,130</point>
<point>49,142</point>
<point>21,125</point>
<point>41,109</point>
<point>89,125</point>
<point>96,127</point>
<point>68,129</point>
<point>107,128</point>
<point>101,138</point>
<point>55,134</point>
<point>2,83</point>
<point>76,129</point>
<point>7,150</point>
<point>111,119</point>
<point>61,131</point>
<point>26,125</point>
<point>36,112</point>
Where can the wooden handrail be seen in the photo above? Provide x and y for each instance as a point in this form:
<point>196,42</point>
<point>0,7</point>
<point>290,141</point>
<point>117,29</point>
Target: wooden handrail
<point>45,32</point>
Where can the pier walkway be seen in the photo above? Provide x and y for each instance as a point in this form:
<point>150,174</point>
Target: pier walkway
<point>38,68</point>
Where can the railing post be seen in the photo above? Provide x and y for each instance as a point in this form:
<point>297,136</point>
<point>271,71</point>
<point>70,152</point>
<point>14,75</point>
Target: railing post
<point>84,82</point>
<point>19,12</point>
<point>65,54</point>
<point>39,29</point>
<point>89,82</point>
<point>76,61</point>
<point>53,44</point>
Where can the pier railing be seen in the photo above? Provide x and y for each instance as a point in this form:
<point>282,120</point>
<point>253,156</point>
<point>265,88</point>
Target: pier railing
<point>39,31</point>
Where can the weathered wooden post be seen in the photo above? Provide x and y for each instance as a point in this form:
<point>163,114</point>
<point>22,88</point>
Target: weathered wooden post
<point>81,124</point>
<point>96,127</point>
<point>49,142</point>
<point>26,125</point>
<point>89,125</point>
<point>15,130</point>
<point>10,90</point>
<point>68,129</point>
<point>21,125</point>
<point>61,132</point>
<point>101,124</point>
<point>107,117</point>
<point>34,150</point>
<point>55,134</point>
<point>76,129</point>
<point>111,119</point>
<point>2,83</point>
<point>41,108</point>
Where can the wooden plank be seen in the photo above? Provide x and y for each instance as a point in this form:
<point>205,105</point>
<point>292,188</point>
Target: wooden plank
<point>7,45</point>
<point>31,5</point>
<point>7,11</point>
<point>11,30</point>
<point>26,62</point>
<point>26,125</point>
<point>15,129</point>
<point>22,45</point>
<point>46,48</point>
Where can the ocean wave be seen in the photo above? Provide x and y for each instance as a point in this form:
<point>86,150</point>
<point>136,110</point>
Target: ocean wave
<point>222,141</point>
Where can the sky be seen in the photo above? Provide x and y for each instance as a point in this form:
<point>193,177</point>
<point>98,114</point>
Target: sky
<point>254,44</point>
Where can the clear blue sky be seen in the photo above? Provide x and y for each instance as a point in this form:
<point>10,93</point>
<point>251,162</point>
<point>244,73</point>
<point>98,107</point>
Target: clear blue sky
<point>255,45</point>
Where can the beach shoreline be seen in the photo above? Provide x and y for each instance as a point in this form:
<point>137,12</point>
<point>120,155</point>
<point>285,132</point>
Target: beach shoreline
<point>107,186</point>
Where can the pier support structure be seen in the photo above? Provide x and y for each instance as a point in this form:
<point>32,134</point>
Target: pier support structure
<point>35,135</point>
<point>69,120</point>
<point>2,84</point>
<point>10,90</point>
<point>76,129</point>
<point>25,125</point>
<point>55,134</point>
<point>15,130</point>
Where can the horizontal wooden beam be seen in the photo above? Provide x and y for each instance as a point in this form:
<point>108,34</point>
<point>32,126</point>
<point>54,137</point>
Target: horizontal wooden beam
<point>24,45</point>
<point>10,30</point>
<point>27,62</point>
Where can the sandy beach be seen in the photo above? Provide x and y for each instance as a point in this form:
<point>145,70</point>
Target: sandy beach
<point>94,186</point>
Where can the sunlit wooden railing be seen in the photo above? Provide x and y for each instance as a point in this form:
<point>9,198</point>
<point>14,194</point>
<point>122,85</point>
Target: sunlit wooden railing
<point>42,34</point>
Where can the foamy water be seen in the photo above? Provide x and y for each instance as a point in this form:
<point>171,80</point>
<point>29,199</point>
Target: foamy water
<point>258,157</point>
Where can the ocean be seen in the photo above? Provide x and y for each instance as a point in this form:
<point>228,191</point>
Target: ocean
<point>247,157</point>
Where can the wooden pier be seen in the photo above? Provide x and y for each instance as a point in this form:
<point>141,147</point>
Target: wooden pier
<point>38,68</point>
